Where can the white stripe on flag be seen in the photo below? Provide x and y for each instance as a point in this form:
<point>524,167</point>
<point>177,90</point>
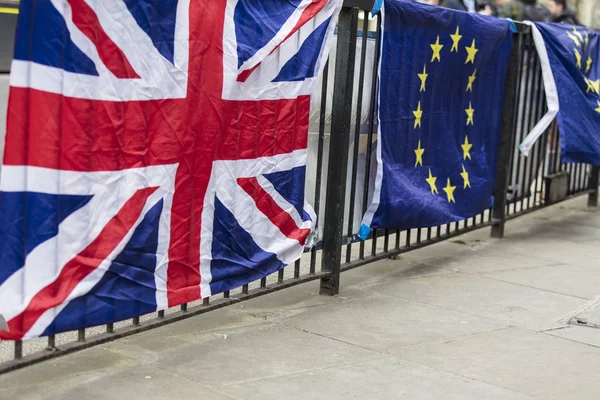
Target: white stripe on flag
<point>551,93</point>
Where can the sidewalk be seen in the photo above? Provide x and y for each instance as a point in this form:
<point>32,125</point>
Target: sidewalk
<point>476,318</point>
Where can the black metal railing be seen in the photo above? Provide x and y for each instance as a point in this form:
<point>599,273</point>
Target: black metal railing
<point>340,181</point>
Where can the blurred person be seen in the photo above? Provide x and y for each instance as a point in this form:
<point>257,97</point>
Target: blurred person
<point>536,12</point>
<point>561,13</point>
<point>512,9</point>
<point>462,5</point>
<point>485,7</point>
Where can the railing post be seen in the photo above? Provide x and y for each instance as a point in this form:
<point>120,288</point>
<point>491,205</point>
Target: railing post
<point>507,133</point>
<point>339,148</point>
<point>593,186</point>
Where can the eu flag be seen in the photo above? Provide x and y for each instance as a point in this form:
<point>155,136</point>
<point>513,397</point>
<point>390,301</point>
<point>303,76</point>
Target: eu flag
<point>570,60</point>
<point>441,77</point>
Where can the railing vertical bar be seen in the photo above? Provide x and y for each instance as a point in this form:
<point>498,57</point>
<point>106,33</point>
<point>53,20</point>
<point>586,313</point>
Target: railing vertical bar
<point>516,112</point>
<point>543,148</point>
<point>569,169</point>
<point>357,128</point>
<point>341,121</point>
<point>534,118</point>
<point>506,140</point>
<point>593,186</point>
<point>18,349</point>
<point>386,241</point>
<point>51,343</point>
<point>521,173</point>
<point>557,154</point>
<point>575,179</point>
<point>371,124</point>
<point>584,180</point>
<point>320,150</point>
<point>374,242</point>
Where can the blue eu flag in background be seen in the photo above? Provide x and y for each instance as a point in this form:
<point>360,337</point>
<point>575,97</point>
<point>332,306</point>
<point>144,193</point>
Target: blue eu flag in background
<point>571,66</point>
<point>442,76</point>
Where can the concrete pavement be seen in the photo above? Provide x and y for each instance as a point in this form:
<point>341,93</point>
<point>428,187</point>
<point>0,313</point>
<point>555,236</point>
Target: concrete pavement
<point>476,318</point>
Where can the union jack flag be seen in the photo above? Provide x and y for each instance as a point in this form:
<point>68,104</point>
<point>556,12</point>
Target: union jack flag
<point>155,153</point>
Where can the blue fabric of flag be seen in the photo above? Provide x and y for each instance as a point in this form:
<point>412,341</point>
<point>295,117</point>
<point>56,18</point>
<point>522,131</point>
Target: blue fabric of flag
<point>42,37</point>
<point>574,58</point>
<point>441,77</point>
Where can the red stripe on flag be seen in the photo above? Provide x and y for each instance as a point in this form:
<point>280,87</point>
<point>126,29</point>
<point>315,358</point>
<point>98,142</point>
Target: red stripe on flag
<point>51,131</point>
<point>76,270</point>
<point>111,55</point>
<point>279,217</point>
<point>311,10</point>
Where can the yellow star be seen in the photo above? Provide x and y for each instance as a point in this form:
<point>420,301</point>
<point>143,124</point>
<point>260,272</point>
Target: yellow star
<point>419,152</point>
<point>423,78</point>
<point>587,40</point>
<point>594,86</point>
<point>465,176</point>
<point>466,148</point>
<point>578,57</point>
<point>588,64</point>
<point>579,35</point>
<point>471,80</point>
<point>598,109</point>
<point>455,39</point>
<point>470,111</point>
<point>472,50</point>
<point>436,47</point>
<point>418,114</point>
<point>431,180</point>
<point>449,189</point>
<point>574,38</point>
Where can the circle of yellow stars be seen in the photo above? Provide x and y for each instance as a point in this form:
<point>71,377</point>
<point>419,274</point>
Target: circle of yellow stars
<point>471,52</point>
<point>584,64</point>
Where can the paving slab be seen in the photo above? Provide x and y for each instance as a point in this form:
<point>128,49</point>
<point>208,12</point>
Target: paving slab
<point>389,270</point>
<point>487,298</point>
<point>486,260</point>
<point>387,378</point>
<point>584,254</point>
<point>563,278</point>
<point>257,352</point>
<point>532,363</point>
<point>134,382</point>
<point>581,334</point>
<point>188,331</point>
<point>382,323</point>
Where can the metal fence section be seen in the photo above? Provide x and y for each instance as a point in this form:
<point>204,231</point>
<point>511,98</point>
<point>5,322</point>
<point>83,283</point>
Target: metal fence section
<point>341,175</point>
